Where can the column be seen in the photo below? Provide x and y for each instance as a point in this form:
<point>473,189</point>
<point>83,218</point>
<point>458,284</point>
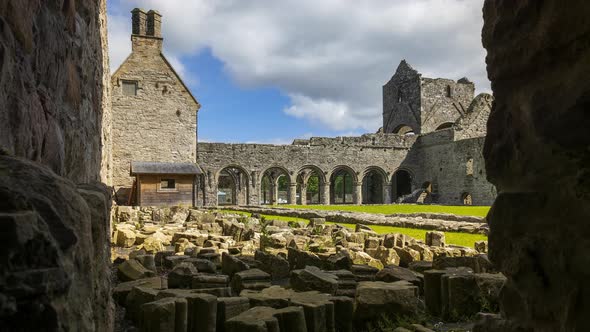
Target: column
<point>293,193</point>
<point>274,193</point>
<point>387,194</point>
<point>325,193</point>
<point>357,193</point>
<point>303,194</point>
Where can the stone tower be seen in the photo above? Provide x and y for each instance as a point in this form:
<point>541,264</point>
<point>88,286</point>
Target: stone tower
<point>419,105</point>
<point>154,112</point>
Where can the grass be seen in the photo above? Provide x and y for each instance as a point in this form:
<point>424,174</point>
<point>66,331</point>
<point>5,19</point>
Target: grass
<point>478,211</point>
<point>461,239</point>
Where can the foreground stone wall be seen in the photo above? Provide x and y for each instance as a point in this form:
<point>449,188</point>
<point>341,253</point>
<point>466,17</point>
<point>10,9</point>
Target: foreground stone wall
<point>52,87</point>
<point>537,155</point>
<point>54,97</point>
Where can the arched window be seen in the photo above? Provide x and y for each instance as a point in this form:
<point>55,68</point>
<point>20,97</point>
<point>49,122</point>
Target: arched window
<point>399,95</point>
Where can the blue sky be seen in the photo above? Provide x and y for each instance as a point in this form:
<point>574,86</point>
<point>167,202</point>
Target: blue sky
<point>269,72</point>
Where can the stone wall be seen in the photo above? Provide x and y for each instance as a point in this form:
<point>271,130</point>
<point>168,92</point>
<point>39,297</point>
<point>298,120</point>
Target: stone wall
<point>54,97</point>
<point>52,88</point>
<point>160,122</point>
<point>401,100</point>
<point>436,157</point>
<point>443,101</point>
<point>423,103</point>
<point>537,155</point>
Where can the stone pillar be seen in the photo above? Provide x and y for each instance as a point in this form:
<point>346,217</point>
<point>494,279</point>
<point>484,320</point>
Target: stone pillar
<point>387,194</point>
<point>325,196</point>
<point>357,193</point>
<point>293,193</point>
<point>274,193</point>
<point>303,194</point>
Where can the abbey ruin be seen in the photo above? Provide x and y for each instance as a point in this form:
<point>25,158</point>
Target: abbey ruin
<point>429,149</point>
<point>72,259</point>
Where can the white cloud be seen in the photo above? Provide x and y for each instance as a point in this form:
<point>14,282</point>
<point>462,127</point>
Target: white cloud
<point>331,56</point>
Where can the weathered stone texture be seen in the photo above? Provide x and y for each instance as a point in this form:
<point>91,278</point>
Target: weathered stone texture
<point>537,155</point>
<point>53,91</point>
<point>54,257</point>
<point>159,123</point>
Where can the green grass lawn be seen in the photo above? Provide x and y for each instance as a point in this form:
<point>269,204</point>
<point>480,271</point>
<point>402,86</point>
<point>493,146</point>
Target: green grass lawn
<point>478,211</point>
<point>462,239</point>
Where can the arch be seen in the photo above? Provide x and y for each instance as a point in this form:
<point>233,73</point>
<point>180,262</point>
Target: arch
<point>427,186</point>
<point>401,183</point>
<point>445,125</point>
<point>342,181</point>
<point>403,129</point>
<point>273,190</point>
<point>309,189</point>
<point>321,174</point>
<point>466,198</point>
<point>373,186</point>
<point>232,186</point>
<point>242,169</point>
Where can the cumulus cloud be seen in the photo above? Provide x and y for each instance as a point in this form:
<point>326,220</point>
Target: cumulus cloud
<point>331,57</point>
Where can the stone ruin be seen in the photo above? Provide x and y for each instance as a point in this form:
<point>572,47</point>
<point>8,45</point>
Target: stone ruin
<point>54,127</point>
<point>183,269</point>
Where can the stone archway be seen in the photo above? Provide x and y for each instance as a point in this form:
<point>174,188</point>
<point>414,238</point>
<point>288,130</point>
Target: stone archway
<point>343,183</point>
<point>275,187</point>
<point>404,129</point>
<point>401,183</point>
<point>374,186</point>
<point>233,186</point>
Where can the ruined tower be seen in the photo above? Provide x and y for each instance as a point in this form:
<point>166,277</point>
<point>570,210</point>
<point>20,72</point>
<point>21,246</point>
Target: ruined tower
<point>154,119</point>
<point>419,105</point>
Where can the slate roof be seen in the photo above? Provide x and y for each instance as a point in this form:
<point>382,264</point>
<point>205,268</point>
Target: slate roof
<point>142,167</point>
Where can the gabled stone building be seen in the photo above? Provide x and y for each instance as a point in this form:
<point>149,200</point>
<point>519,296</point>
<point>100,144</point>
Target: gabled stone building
<point>154,118</point>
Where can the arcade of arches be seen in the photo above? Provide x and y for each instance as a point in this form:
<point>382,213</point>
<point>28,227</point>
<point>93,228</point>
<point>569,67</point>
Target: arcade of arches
<point>312,186</point>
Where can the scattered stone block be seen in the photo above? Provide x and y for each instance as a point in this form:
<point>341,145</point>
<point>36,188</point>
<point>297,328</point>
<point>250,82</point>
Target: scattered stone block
<point>265,319</point>
<point>165,315</point>
<point>148,261</point>
<point>124,237</point>
<point>276,266</point>
<point>346,282</point>
<point>137,297</point>
<point>133,270</point>
<point>202,281</point>
<point>364,272</point>
<point>201,313</point>
<point>435,239</point>
<point>202,265</point>
<point>299,259</point>
<point>372,242</point>
<point>171,261</point>
<point>396,273</point>
<point>343,313</point>
<point>229,307</point>
<point>387,256</point>
<point>420,266</point>
<point>181,275</point>
<point>231,265</point>
<point>374,298</point>
<point>407,256</point>
<point>254,279</point>
<point>481,246</point>
<point>312,278</point>
<point>121,291</point>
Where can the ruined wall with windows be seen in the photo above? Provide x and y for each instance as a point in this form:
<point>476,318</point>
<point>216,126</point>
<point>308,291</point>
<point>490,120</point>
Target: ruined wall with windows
<point>154,113</point>
<point>443,164</point>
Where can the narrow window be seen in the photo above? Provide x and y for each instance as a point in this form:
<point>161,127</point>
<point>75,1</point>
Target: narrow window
<point>469,167</point>
<point>399,95</point>
<point>466,198</point>
<point>449,91</point>
<point>129,88</point>
<point>168,184</point>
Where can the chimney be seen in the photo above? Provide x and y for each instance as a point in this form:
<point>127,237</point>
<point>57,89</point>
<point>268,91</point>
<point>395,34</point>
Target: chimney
<point>138,19</point>
<point>154,24</point>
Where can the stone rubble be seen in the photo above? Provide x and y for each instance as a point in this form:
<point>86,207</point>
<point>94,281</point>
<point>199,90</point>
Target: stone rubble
<point>250,274</point>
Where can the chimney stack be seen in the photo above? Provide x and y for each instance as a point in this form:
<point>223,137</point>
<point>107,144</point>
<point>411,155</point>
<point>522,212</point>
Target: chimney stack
<point>138,19</point>
<point>154,24</point>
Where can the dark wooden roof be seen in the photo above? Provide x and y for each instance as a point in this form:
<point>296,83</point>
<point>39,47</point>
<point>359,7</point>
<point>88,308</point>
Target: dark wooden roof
<point>141,167</point>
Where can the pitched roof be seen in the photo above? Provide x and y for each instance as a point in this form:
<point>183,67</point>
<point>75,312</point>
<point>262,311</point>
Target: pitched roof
<point>142,167</point>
